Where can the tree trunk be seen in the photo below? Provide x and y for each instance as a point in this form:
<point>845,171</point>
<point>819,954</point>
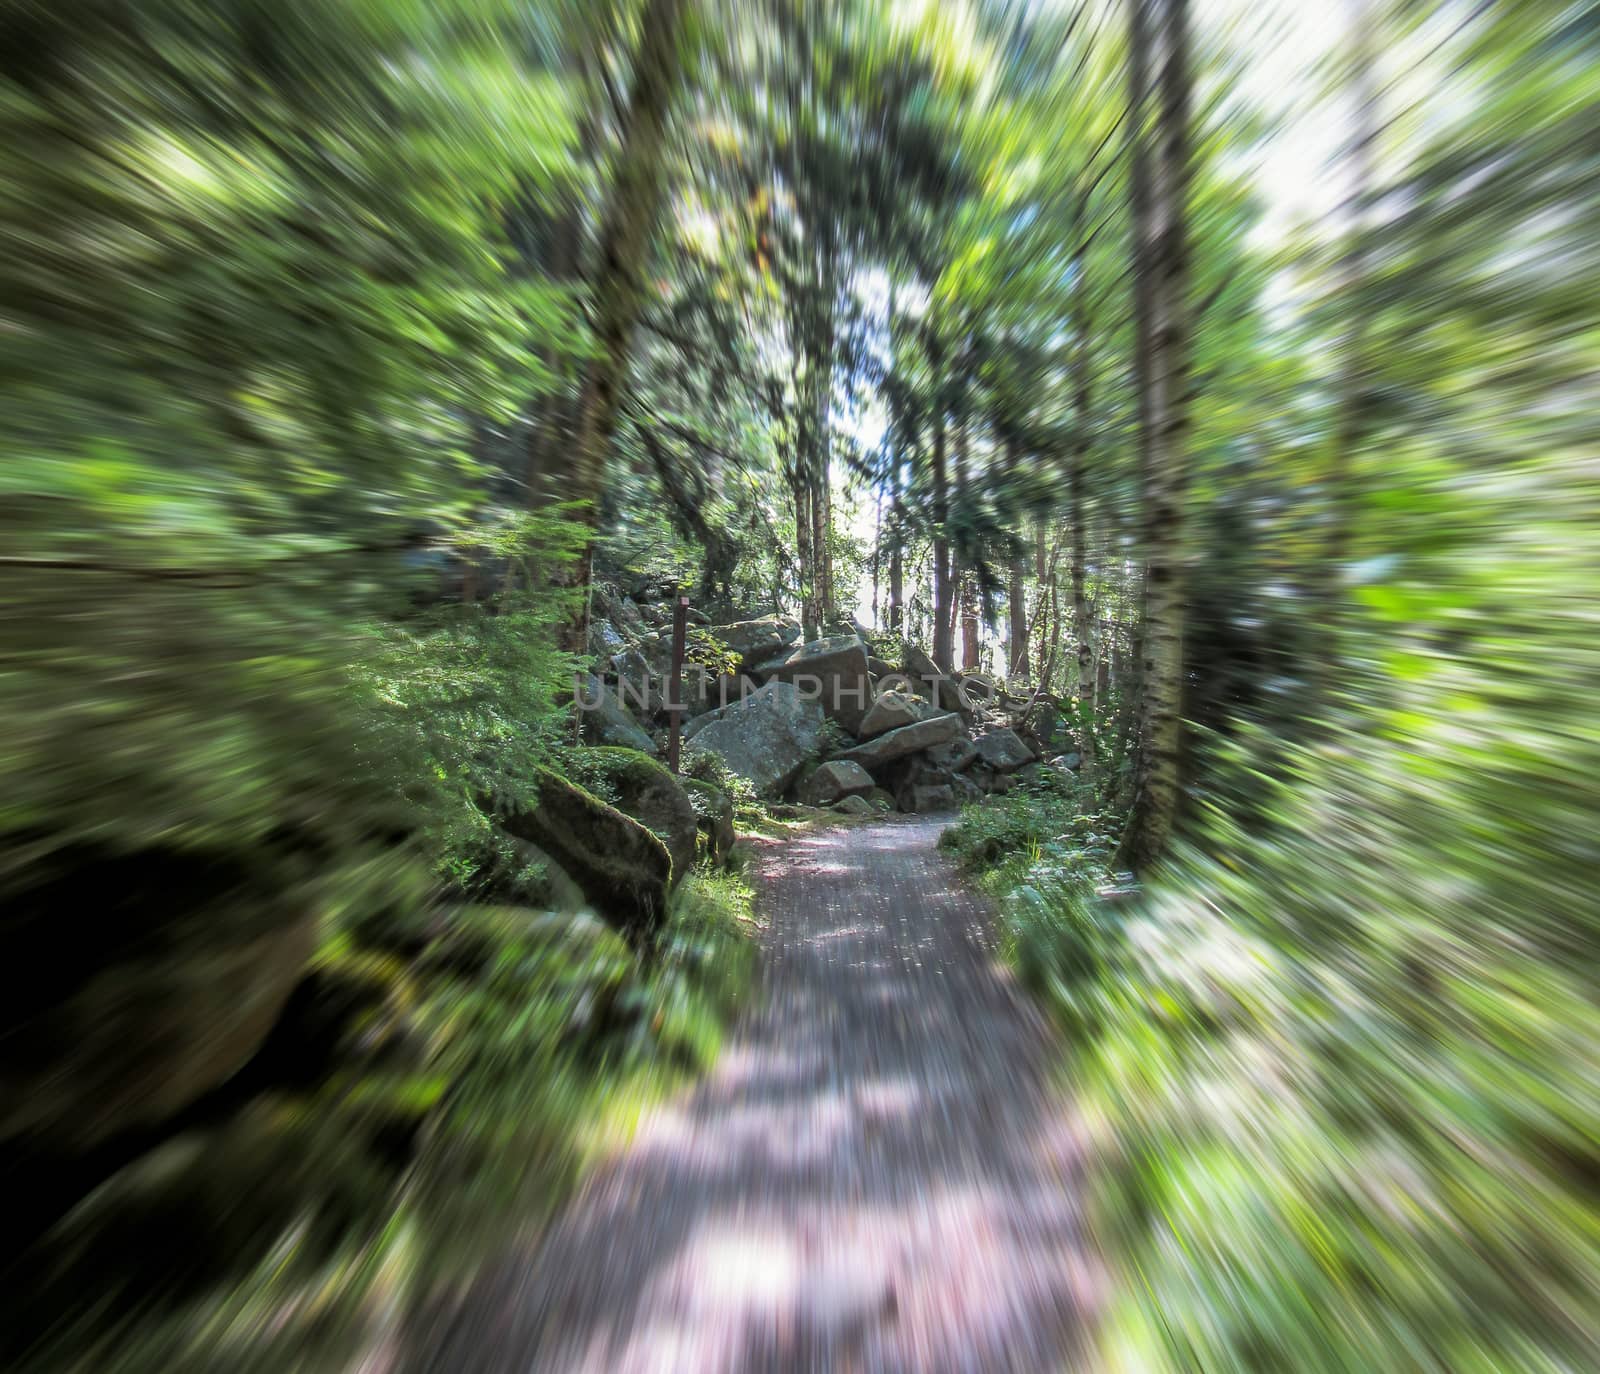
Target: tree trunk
<point>897,563</point>
<point>943,647</point>
<point>632,209</point>
<point>1042,569</point>
<point>805,557</point>
<point>877,553</point>
<point>971,649</point>
<point>821,510</point>
<point>1165,255</point>
<point>1077,495</point>
<point>1017,625</point>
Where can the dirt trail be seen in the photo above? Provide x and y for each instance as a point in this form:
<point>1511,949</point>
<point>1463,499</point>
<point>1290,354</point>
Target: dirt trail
<point>874,1177</point>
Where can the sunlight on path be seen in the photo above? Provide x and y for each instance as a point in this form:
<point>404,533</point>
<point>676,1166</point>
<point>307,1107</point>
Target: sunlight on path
<point>874,1177</point>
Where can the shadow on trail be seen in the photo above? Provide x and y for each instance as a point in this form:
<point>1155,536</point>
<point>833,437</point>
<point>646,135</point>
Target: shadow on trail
<point>874,1177</point>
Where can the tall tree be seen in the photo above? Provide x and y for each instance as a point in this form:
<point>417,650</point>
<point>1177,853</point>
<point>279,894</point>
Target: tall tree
<point>633,206</point>
<point>1162,258</point>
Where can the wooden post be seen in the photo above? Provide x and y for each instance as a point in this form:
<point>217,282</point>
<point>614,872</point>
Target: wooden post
<point>680,635</point>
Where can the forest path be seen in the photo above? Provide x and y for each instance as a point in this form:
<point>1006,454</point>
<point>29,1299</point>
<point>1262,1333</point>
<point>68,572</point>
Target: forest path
<point>875,1175</point>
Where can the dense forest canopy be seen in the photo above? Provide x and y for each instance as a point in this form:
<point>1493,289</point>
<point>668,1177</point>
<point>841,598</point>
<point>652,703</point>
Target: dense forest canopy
<point>1201,396</point>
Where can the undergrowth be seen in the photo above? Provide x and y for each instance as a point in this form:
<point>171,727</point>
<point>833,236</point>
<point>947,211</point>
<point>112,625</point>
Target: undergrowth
<point>477,1059</point>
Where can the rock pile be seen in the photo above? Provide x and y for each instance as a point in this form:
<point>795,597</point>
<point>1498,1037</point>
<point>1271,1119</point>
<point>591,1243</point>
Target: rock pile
<point>830,723</point>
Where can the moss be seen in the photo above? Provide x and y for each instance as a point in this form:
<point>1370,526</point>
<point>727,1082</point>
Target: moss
<point>714,810</point>
<point>648,792</point>
<point>622,867</point>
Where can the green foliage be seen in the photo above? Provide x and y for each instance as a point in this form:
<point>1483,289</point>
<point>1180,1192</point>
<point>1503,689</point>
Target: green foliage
<point>467,1056</point>
<point>255,308</point>
<point>1340,1058</point>
<point>739,790</point>
<point>458,707</point>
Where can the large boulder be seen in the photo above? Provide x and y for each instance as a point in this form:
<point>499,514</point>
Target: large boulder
<point>605,720</point>
<point>767,738</point>
<point>942,689</point>
<point>834,672</point>
<point>541,882</point>
<point>756,640</point>
<point>137,983</point>
<point>650,794</point>
<point>927,800</point>
<point>953,755</point>
<point>622,866</point>
<point>908,739</point>
<point>1003,751</point>
<point>605,639</point>
<point>705,691</point>
<point>640,682</point>
<point>890,711</point>
<point>714,808</point>
<point>833,782</point>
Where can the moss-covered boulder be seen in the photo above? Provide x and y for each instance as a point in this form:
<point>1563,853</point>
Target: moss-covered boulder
<point>648,792</point>
<point>135,984</point>
<point>541,882</point>
<point>714,808</point>
<point>624,869</point>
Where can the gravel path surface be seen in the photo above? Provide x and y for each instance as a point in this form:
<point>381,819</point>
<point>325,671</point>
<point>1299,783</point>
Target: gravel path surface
<point>875,1176</point>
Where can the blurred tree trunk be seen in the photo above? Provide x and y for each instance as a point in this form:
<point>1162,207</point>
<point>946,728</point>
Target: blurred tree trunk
<point>805,556</point>
<point>1017,669</point>
<point>1041,574</point>
<point>822,515</point>
<point>971,650</point>
<point>1016,665</point>
<point>943,648</point>
<point>1351,428</point>
<point>877,553</point>
<point>632,209</point>
<point>897,565</point>
<point>1078,500</point>
<point>1163,254</point>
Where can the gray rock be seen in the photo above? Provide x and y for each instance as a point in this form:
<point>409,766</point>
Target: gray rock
<point>768,737</point>
<point>604,639</point>
<point>942,689</point>
<point>834,672</point>
<point>715,811</point>
<point>954,755</point>
<point>544,883</point>
<point>879,668</point>
<point>639,684</point>
<point>1003,751</point>
<point>756,640</point>
<point>765,669</point>
<point>834,781</point>
<point>855,805</point>
<point>622,866</point>
<point>706,691</point>
<point>979,687</point>
<point>629,616</point>
<point>646,791</point>
<point>929,800</point>
<point>1067,763</point>
<point>908,739</point>
<point>605,720</point>
<point>889,712</point>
